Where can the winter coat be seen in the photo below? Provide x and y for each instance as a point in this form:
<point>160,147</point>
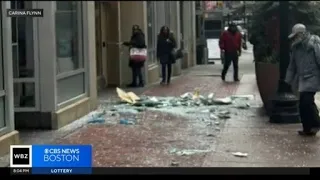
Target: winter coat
<point>305,65</point>
<point>230,42</point>
<point>165,47</point>
<point>137,41</point>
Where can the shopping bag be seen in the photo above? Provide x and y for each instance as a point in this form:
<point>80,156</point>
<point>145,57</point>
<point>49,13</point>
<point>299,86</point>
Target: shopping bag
<point>138,54</point>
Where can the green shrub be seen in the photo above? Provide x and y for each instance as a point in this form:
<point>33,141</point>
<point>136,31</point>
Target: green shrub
<point>264,27</point>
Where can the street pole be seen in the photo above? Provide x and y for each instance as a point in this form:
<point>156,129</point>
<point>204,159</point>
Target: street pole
<point>285,103</point>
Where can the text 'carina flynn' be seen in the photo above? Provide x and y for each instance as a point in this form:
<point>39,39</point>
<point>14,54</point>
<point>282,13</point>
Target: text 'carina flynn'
<point>25,12</point>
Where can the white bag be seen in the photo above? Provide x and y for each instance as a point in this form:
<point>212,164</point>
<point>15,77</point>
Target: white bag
<point>138,54</point>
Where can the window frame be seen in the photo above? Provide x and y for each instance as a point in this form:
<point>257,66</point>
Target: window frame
<point>79,10</point>
<point>151,18</point>
<point>83,67</point>
<point>6,59</point>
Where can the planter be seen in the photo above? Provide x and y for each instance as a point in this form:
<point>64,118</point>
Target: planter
<point>267,76</point>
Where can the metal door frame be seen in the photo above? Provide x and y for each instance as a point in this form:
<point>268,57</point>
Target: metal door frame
<point>182,19</point>
<point>6,59</point>
<point>99,48</point>
<point>35,79</point>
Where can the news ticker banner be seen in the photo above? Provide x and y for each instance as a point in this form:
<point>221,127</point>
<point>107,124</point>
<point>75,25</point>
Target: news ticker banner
<point>51,159</point>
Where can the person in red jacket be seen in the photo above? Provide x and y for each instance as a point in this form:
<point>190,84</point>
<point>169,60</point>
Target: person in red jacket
<point>230,45</point>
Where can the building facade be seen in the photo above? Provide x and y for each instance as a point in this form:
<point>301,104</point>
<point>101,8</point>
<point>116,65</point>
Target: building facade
<point>52,67</point>
<point>180,18</point>
<point>48,67</point>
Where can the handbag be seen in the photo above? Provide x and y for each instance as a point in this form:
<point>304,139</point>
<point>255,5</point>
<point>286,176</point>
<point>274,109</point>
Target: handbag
<point>176,54</point>
<point>138,54</point>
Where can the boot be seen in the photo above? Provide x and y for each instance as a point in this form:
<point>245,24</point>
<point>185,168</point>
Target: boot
<point>132,85</point>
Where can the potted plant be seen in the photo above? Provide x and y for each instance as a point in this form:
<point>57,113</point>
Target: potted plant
<point>264,30</point>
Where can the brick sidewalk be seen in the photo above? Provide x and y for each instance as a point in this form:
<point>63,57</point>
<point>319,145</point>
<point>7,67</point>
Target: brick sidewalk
<point>267,145</point>
<point>148,143</point>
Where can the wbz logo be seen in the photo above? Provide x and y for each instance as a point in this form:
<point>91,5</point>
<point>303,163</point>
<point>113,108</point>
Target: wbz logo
<point>20,156</point>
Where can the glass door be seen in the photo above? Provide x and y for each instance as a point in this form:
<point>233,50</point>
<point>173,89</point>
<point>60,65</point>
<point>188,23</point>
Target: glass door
<point>98,39</point>
<point>2,84</point>
<point>25,72</point>
<point>4,101</point>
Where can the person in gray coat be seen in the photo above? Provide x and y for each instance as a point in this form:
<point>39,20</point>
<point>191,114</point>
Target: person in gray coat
<point>304,67</point>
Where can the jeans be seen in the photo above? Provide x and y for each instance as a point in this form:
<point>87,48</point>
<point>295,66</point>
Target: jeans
<point>136,74</point>
<point>164,68</point>
<point>228,58</point>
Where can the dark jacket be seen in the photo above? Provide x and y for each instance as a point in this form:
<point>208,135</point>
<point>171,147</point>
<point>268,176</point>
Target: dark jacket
<point>230,42</point>
<point>137,41</point>
<point>165,47</point>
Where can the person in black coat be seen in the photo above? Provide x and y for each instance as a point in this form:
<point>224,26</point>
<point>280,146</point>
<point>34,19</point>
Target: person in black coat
<point>137,41</point>
<point>165,47</point>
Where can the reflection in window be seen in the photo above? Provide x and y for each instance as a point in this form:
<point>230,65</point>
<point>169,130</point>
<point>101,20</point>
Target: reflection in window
<point>24,94</point>
<point>150,19</point>
<point>70,87</point>
<point>69,51</point>
<point>151,31</point>
<point>14,29</point>
<point>66,5</point>
<point>167,13</point>
<point>2,98</point>
<point>22,50</point>
<point>67,37</point>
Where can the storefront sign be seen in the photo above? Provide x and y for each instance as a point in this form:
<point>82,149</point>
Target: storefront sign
<point>212,5</point>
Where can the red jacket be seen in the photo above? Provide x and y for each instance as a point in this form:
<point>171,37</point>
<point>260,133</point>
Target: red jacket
<point>229,42</point>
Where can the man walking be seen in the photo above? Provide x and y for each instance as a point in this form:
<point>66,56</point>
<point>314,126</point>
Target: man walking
<point>230,45</point>
<point>305,67</point>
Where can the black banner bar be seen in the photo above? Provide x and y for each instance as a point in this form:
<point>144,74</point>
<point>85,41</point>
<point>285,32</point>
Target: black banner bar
<point>203,171</point>
<point>183,171</point>
<point>314,171</point>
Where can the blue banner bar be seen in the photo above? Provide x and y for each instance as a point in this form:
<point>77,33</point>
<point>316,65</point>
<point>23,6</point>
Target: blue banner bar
<point>60,171</point>
<point>61,156</point>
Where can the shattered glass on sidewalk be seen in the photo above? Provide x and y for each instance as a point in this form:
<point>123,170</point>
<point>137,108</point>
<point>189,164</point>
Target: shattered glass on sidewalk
<point>188,105</point>
<point>183,128</point>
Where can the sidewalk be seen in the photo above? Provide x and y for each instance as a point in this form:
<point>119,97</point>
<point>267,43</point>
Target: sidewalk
<point>171,138</point>
<point>156,137</point>
<point>267,145</point>
<point>159,138</point>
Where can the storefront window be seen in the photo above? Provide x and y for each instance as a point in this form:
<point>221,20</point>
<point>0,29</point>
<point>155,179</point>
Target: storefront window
<point>67,37</point>
<point>70,66</point>
<point>151,32</point>
<point>168,13</point>
<point>23,60</point>
<point>2,92</point>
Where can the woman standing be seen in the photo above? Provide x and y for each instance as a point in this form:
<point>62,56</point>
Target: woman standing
<point>165,47</point>
<point>137,41</point>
